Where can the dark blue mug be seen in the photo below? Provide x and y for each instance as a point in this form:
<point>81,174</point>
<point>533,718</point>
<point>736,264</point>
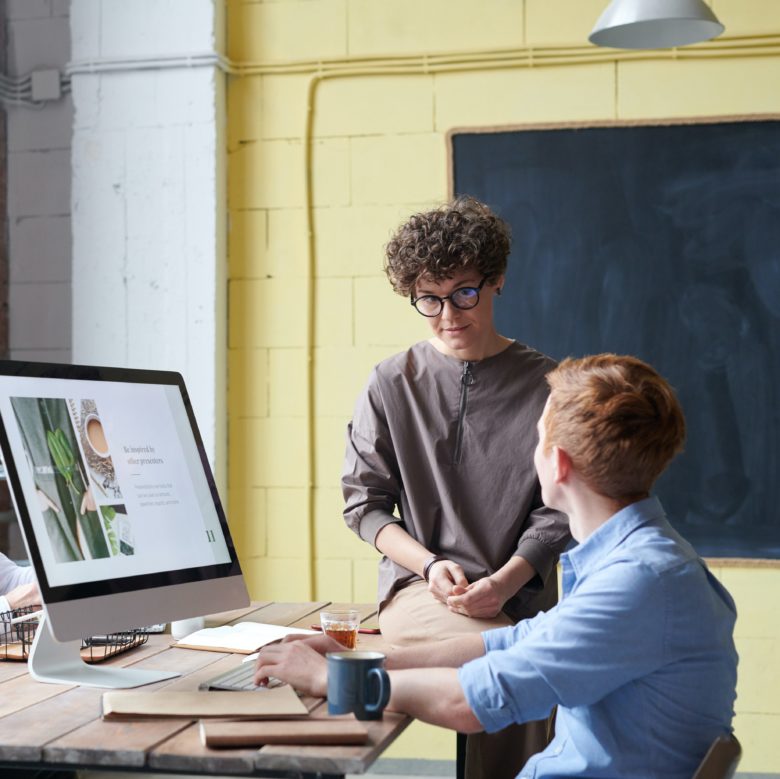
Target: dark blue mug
<point>357,683</point>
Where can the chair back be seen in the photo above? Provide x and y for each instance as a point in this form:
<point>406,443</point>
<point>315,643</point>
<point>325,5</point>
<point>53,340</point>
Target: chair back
<point>721,759</point>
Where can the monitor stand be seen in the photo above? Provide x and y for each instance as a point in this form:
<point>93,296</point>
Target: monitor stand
<point>59,662</point>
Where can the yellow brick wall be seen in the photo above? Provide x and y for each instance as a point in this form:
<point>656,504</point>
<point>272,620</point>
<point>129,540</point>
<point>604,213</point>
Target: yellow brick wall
<point>379,152</point>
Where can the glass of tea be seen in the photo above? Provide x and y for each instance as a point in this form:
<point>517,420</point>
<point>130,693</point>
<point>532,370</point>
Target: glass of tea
<point>341,624</point>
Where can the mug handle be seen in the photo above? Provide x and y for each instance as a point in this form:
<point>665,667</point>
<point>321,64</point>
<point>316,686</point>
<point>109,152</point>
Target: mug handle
<point>384,690</point>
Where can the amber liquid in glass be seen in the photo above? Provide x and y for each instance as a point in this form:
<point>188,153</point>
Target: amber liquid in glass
<point>346,636</point>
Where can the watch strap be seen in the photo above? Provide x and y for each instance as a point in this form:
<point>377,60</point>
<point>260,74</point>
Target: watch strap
<point>429,564</point>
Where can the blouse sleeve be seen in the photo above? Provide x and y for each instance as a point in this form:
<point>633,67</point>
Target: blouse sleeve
<point>545,535</point>
<point>370,479</point>
<point>12,575</point>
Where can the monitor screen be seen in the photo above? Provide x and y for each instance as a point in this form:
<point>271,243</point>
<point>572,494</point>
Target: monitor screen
<point>115,496</point>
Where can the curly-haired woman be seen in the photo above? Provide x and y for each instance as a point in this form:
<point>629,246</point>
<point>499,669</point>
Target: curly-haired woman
<point>444,434</point>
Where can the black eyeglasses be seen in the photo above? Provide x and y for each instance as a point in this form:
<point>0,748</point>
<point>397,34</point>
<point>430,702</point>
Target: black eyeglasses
<point>463,298</point>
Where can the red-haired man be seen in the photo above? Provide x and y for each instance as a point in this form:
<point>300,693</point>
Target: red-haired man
<point>638,655</point>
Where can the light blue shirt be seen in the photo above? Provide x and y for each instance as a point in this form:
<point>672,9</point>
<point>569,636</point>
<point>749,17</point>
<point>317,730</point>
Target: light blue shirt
<point>638,656</point>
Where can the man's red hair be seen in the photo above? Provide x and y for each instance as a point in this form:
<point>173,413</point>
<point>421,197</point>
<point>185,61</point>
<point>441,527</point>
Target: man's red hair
<point>618,420</point>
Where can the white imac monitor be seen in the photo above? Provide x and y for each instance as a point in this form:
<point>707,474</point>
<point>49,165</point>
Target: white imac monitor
<point>118,508</point>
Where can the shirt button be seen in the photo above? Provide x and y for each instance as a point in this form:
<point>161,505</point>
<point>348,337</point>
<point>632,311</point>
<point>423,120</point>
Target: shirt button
<point>558,750</point>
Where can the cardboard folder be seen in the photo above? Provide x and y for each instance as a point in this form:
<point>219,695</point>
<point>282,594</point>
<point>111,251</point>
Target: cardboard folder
<point>223,734</point>
<point>270,703</point>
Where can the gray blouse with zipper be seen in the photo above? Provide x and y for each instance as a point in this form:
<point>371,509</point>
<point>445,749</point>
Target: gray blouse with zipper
<point>450,445</point>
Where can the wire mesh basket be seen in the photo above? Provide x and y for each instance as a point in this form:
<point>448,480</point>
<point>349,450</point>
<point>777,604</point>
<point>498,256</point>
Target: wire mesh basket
<point>17,635</point>
<point>98,648</point>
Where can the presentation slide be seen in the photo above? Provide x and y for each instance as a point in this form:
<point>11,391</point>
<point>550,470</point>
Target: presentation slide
<point>111,477</point>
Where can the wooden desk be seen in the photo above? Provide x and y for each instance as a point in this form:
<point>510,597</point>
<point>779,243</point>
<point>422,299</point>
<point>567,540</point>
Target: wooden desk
<point>59,726</point>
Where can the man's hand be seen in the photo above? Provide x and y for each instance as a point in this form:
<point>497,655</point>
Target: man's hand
<point>320,643</point>
<point>482,599</point>
<point>24,595</point>
<point>443,576</point>
<point>294,662</point>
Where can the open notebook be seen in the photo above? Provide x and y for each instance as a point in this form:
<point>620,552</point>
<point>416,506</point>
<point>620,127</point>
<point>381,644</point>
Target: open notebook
<point>243,637</point>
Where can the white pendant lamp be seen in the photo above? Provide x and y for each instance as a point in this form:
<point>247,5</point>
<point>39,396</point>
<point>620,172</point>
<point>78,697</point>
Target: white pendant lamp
<point>655,24</point>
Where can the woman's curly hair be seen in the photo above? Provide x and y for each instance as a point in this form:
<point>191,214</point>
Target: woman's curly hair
<point>437,244</point>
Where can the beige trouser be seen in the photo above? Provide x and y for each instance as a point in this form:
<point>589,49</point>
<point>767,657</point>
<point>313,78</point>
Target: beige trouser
<point>413,616</point>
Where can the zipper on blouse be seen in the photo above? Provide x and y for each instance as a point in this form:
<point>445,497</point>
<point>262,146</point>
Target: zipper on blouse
<point>466,380</point>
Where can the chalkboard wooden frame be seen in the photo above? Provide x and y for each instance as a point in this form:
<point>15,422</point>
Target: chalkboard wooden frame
<point>587,125</point>
<point>718,557</point>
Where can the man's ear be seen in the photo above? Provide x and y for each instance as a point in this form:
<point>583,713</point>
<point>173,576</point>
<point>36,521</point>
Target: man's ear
<point>561,465</point>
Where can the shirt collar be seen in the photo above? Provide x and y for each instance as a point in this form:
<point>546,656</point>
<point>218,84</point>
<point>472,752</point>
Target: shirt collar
<point>590,553</point>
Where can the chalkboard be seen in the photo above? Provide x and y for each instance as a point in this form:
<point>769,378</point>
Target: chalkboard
<point>663,242</point>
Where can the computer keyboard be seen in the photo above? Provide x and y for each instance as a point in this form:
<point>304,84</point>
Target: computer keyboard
<point>240,678</point>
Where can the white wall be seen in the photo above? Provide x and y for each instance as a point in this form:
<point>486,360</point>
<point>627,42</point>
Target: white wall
<point>148,196</point>
<point>116,222</point>
<point>39,143</point>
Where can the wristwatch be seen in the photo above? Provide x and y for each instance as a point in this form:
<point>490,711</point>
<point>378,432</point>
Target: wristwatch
<point>429,563</point>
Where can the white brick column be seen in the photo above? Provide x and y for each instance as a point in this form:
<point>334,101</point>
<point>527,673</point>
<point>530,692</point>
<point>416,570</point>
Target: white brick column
<point>148,200</point>
<point>39,188</point>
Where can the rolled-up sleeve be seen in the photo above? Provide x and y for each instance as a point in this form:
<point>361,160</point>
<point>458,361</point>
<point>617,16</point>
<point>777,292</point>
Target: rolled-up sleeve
<point>504,687</point>
<point>569,655</point>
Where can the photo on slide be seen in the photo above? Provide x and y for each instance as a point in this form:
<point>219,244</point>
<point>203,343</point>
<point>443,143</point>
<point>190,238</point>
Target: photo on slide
<point>65,497</point>
<point>118,529</point>
<point>86,420</point>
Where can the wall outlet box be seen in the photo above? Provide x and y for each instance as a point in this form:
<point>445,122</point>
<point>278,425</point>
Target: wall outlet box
<point>46,85</point>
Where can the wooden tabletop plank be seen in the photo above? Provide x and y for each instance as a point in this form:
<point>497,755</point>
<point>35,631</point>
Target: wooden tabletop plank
<point>185,752</point>
<point>183,661</point>
<point>335,759</point>
<point>10,669</point>
<point>24,691</point>
<point>118,744</point>
<point>286,613</point>
<point>235,615</point>
<point>24,733</point>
